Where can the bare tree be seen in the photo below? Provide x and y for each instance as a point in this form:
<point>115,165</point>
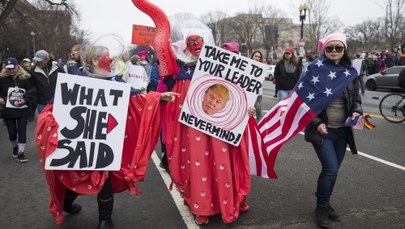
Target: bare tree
<point>11,16</point>
<point>50,25</point>
<point>320,23</point>
<point>394,22</point>
<point>8,7</point>
<point>367,34</point>
<point>61,29</point>
<point>246,28</point>
<point>270,30</point>
<point>213,21</point>
<point>381,33</point>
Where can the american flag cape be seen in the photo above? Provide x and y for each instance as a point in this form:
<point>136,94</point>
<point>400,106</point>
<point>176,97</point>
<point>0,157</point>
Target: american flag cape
<point>322,81</point>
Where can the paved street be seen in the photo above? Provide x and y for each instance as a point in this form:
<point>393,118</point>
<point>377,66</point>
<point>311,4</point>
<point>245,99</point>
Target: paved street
<point>370,193</point>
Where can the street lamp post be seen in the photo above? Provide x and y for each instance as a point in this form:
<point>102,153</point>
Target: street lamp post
<point>303,14</point>
<point>33,42</point>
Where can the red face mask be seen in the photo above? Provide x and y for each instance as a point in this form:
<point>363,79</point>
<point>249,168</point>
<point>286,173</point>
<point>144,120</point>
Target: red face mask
<point>104,62</point>
<point>194,44</point>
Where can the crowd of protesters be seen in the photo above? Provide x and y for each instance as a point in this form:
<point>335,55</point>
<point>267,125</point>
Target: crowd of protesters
<point>378,61</point>
<point>34,86</point>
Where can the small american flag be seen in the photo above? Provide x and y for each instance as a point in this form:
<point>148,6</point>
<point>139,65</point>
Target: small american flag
<point>321,83</point>
<point>360,122</point>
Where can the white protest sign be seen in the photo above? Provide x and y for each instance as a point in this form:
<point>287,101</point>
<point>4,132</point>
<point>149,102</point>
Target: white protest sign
<point>223,87</point>
<point>357,65</point>
<point>13,95</point>
<point>91,114</point>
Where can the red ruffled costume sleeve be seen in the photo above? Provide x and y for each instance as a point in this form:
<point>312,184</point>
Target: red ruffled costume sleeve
<point>141,135</point>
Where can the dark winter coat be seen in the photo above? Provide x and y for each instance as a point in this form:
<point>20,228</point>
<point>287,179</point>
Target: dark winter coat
<point>20,81</point>
<point>353,104</point>
<point>285,80</point>
<point>44,81</point>
<point>153,78</point>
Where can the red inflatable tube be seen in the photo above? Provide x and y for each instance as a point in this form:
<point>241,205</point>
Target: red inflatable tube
<point>161,44</point>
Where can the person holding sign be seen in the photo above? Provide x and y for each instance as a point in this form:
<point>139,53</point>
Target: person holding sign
<point>143,122</point>
<point>213,177</point>
<point>136,75</point>
<point>15,93</point>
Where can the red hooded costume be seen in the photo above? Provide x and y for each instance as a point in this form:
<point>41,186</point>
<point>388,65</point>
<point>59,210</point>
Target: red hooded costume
<point>212,176</point>
<point>141,135</point>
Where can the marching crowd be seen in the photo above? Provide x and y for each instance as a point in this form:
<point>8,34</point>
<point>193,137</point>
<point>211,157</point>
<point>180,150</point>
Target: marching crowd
<point>213,178</point>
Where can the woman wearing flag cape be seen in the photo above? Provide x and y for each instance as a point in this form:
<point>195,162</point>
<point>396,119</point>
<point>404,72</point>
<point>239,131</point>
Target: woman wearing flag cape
<point>326,94</point>
<point>331,75</point>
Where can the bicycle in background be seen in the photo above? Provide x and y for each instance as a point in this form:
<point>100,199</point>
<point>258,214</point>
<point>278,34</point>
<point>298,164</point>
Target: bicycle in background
<point>392,107</point>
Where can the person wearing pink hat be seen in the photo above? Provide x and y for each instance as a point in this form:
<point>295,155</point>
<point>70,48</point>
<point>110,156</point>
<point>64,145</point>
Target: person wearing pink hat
<point>286,73</point>
<point>151,70</point>
<point>143,55</point>
<point>231,46</point>
<point>334,77</point>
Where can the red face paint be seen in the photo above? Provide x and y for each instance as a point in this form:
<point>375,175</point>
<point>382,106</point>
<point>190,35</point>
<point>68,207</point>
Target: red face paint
<point>195,44</point>
<point>105,61</point>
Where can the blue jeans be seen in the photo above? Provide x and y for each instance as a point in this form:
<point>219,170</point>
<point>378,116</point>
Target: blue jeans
<point>331,154</point>
<point>281,94</point>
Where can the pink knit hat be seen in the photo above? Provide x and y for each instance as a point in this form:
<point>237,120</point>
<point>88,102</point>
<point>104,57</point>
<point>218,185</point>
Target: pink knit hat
<point>331,37</point>
<point>143,53</point>
<point>231,46</point>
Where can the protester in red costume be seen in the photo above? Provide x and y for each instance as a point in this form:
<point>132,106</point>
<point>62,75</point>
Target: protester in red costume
<point>212,176</point>
<point>143,126</point>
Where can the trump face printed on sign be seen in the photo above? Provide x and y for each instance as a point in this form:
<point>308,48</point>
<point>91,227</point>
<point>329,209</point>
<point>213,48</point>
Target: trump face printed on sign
<point>215,99</point>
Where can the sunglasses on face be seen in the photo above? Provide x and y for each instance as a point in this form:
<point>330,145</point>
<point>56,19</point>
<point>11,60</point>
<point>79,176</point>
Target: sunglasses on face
<point>338,49</point>
<point>195,41</point>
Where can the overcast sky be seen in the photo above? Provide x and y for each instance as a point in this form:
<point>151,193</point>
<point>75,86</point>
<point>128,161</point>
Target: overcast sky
<point>106,16</point>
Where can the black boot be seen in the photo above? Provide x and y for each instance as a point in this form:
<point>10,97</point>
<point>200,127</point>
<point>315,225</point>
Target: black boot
<point>73,209</point>
<point>322,219</point>
<point>332,214</point>
<point>68,206</point>
<point>163,164</point>
<point>105,208</point>
<point>105,224</point>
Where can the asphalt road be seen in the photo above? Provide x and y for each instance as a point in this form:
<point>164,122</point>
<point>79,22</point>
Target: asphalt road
<point>369,193</point>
